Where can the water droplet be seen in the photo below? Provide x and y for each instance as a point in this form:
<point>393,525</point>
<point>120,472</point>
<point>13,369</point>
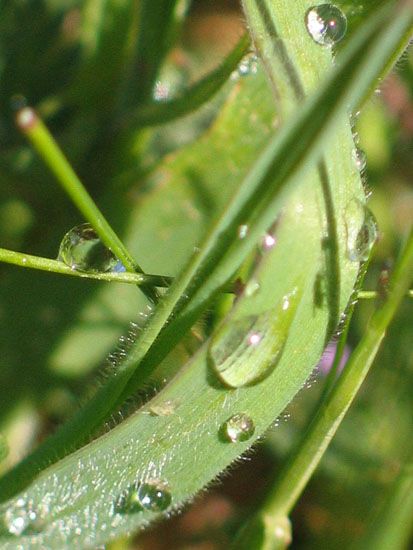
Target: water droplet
<point>248,65</point>
<point>326,24</point>
<point>82,250</point>
<point>269,241</point>
<point>243,231</point>
<point>152,495</point>
<point>162,91</point>
<point>239,427</point>
<point>252,287</point>
<point>23,518</point>
<point>246,350</point>
<point>167,408</point>
<point>361,229</point>
<point>359,159</point>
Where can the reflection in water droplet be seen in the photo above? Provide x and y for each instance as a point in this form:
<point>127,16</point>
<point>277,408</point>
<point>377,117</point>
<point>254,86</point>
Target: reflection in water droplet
<point>361,229</point>
<point>246,350</point>
<point>152,495</point>
<point>326,24</point>
<point>359,159</point>
<point>82,250</point>
<point>238,428</point>
<point>24,518</point>
<point>243,231</point>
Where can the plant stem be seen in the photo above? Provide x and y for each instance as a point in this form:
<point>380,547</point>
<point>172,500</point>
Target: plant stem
<point>305,458</point>
<point>41,139</point>
<point>372,294</point>
<point>56,266</point>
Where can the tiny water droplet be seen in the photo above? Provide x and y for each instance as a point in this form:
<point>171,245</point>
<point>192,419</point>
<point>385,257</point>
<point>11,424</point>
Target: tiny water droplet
<point>243,231</point>
<point>269,241</point>
<point>162,91</point>
<point>248,65</point>
<point>24,518</point>
<point>361,229</point>
<point>167,408</point>
<point>252,287</point>
<point>326,24</point>
<point>152,495</point>
<point>359,159</point>
<point>238,428</point>
<point>246,350</point>
<point>82,250</point>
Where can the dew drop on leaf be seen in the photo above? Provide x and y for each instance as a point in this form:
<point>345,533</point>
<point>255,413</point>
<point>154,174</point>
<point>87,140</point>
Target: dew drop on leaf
<point>243,231</point>
<point>82,250</point>
<point>252,287</point>
<point>246,350</point>
<point>326,24</point>
<point>24,518</point>
<point>359,159</point>
<point>268,241</point>
<point>248,65</point>
<point>238,428</point>
<point>152,495</point>
<point>361,227</point>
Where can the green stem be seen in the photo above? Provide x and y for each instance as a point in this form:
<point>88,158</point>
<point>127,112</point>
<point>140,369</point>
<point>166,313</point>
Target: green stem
<point>55,266</point>
<point>373,294</point>
<point>304,460</point>
<point>41,139</point>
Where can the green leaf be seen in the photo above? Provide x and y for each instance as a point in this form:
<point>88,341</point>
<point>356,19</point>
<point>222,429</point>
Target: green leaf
<point>199,93</point>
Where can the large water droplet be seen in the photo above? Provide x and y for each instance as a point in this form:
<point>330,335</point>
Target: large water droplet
<point>82,250</point>
<point>152,495</point>
<point>24,518</point>
<point>326,24</point>
<point>239,427</point>
<point>247,350</point>
<point>361,229</point>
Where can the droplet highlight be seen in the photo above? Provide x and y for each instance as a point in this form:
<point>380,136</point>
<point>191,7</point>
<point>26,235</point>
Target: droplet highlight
<point>243,231</point>
<point>24,518</point>
<point>326,24</point>
<point>152,495</point>
<point>246,350</point>
<point>252,287</point>
<point>238,428</point>
<point>268,242</point>
<point>82,250</point>
<point>359,159</point>
<point>248,65</point>
<point>361,227</point>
